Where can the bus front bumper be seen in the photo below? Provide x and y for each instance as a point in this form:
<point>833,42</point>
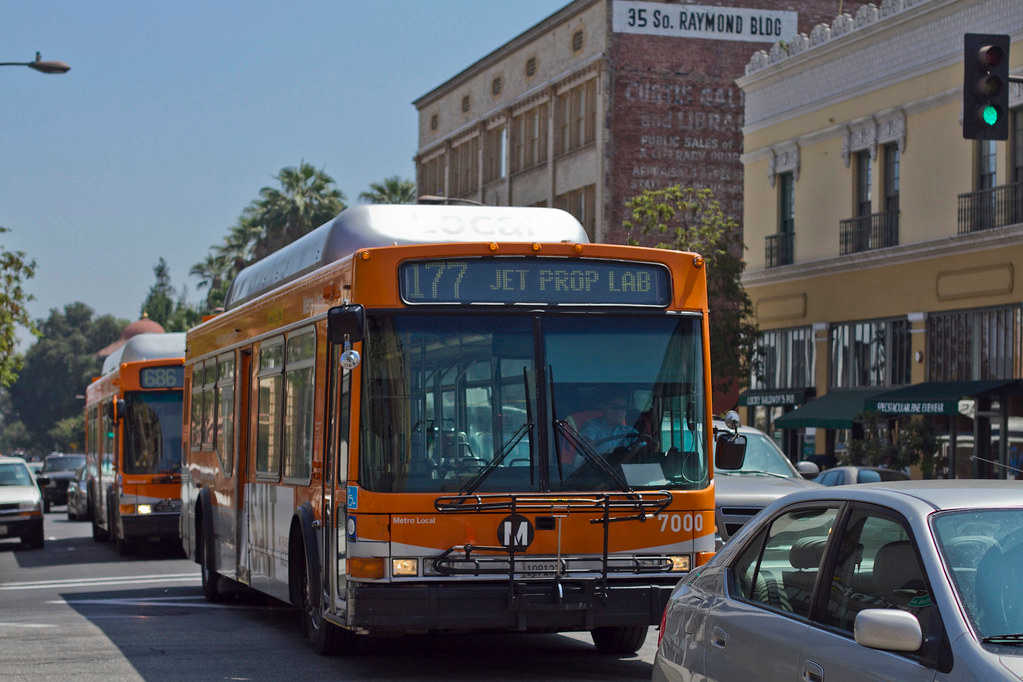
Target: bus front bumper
<point>150,526</point>
<point>476,606</point>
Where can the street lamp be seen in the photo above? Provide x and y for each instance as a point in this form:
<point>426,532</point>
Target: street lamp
<point>41,66</point>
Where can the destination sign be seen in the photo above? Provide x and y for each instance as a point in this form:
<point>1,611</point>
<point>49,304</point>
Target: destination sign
<point>162,377</point>
<point>535,280</point>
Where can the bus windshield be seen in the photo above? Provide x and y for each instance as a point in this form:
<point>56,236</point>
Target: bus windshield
<point>501,403</point>
<point>152,432</point>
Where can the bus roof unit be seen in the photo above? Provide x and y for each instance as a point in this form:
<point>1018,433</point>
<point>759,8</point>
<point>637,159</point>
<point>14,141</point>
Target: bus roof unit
<point>146,347</point>
<point>361,227</point>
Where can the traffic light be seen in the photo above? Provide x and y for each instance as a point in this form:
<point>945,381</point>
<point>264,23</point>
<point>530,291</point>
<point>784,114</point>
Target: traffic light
<point>985,86</point>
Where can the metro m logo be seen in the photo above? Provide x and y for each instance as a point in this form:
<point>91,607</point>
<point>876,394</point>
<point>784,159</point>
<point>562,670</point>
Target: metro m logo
<point>515,532</point>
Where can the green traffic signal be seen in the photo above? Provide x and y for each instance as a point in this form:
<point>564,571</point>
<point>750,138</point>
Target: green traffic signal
<point>989,115</point>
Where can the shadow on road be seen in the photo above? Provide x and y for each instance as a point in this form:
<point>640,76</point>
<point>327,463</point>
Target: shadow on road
<point>250,636</point>
<point>84,550</point>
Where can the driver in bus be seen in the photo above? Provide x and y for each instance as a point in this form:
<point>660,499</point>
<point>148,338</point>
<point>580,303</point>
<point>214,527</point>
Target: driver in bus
<point>610,431</point>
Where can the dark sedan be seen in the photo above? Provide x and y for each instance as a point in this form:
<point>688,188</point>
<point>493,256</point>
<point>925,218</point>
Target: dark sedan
<point>57,472</point>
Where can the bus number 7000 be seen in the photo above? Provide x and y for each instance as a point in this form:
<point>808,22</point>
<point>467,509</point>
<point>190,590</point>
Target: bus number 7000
<point>681,522</point>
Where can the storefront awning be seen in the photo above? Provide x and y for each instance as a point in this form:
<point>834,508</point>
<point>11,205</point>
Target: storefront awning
<point>836,409</point>
<point>935,397</point>
<point>775,396</point>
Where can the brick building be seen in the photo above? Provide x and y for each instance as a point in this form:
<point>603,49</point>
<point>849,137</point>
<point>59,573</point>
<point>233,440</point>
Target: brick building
<point>601,100</point>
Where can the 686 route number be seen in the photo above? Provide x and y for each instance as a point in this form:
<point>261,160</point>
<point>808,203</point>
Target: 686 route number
<point>681,522</point>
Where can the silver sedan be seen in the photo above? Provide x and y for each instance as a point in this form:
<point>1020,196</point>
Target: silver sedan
<point>906,580</point>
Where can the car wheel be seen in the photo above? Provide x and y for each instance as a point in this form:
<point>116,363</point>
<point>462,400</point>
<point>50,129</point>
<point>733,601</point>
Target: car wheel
<point>623,639</point>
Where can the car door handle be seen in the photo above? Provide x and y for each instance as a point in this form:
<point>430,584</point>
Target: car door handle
<point>718,637</point>
<point>812,672</point>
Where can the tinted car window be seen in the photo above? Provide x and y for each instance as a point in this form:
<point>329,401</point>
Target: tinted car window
<point>68,463</point>
<point>779,569</point>
<point>878,568</point>
<point>868,476</point>
<point>830,478</point>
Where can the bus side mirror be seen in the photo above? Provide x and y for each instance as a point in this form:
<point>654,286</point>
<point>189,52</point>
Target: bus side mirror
<point>346,323</point>
<point>729,451</point>
<point>119,409</point>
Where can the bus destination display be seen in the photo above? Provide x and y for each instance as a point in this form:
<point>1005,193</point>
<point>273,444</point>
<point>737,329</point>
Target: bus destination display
<point>162,377</point>
<point>550,281</point>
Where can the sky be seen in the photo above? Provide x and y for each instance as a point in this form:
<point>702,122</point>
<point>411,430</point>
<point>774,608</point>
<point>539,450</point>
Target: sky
<point>175,114</point>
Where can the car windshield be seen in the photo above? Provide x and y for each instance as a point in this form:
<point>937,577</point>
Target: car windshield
<point>983,552</point>
<point>152,432</point>
<point>14,473</point>
<point>63,463</point>
<point>763,457</point>
<point>460,402</point>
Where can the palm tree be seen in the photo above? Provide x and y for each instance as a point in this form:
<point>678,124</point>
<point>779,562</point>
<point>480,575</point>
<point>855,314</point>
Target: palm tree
<point>392,190</point>
<point>306,199</point>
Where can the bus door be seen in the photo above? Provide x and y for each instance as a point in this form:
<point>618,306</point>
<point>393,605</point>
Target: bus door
<point>335,477</point>
<point>243,393</point>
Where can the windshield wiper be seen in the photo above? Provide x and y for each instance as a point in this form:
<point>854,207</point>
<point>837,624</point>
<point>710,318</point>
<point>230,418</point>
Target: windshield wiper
<point>476,481</point>
<point>583,446</point>
<point>1014,638</point>
<point>753,471</point>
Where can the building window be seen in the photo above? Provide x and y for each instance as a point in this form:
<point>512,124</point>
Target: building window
<point>577,117</point>
<point>465,168</point>
<point>870,353</point>
<point>582,204</point>
<point>531,67</point>
<point>1017,144</point>
<point>863,194</point>
<point>891,178</point>
<point>495,86</point>
<point>577,41</point>
<point>779,248</point>
<point>529,138</point>
<point>975,345</point>
<point>784,358</point>
<point>987,167</point>
<point>494,154</point>
<point>465,104</point>
<point>431,176</point>
<point>434,122</point>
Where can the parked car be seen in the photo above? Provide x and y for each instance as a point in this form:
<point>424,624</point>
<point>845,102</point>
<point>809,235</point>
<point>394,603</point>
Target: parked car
<point>766,475</point>
<point>21,510</point>
<point>905,580</point>
<point>78,496</point>
<point>58,470</point>
<point>848,475</point>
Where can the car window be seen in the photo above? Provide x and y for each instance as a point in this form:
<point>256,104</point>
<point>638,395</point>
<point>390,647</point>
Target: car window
<point>878,568</point>
<point>763,456</point>
<point>779,568</point>
<point>868,476</point>
<point>893,475</point>
<point>829,478</point>
<point>14,473</point>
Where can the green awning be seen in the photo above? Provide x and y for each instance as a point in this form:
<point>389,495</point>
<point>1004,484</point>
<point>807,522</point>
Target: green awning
<point>836,409</point>
<point>934,397</point>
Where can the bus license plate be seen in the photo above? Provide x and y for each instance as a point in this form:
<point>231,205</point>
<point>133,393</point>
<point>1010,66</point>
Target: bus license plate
<point>537,569</point>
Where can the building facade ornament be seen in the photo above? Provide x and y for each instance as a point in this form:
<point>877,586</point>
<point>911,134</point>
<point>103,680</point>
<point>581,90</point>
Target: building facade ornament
<point>892,128</point>
<point>1015,94</point>
<point>784,159</point>
<point>842,24</point>
<point>890,7</point>
<point>866,14</point>
<point>820,34</point>
<point>859,136</point>
<point>756,62</point>
<point>801,43</point>
<point>778,52</point>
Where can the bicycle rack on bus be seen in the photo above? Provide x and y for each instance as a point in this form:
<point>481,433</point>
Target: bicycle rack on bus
<point>612,506</point>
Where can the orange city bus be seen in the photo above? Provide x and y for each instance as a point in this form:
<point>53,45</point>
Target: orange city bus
<point>390,427</point>
<point>133,442</point>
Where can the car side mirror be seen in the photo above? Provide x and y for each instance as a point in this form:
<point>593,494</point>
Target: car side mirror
<point>42,481</point>
<point>729,451</point>
<point>119,409</point>
<point>807,469</point>
<point>888,629</point>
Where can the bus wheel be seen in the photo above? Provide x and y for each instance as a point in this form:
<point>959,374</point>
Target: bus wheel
<point>210,577</point>
<point>98,534</point>
<point>623,639</point>
<point>327,639</point>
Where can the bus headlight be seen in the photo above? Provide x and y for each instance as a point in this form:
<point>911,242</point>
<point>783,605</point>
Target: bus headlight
<point>145,509</point>
<point>404,567</point>
<point>679,564</point>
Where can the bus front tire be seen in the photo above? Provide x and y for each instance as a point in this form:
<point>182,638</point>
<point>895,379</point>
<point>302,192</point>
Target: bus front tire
<point>326,638</point>
<point>98,534</point>
<point>622,639</point>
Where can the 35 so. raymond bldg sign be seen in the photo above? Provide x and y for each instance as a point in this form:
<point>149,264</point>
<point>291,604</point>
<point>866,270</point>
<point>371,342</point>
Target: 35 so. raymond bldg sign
<point>703,21</point>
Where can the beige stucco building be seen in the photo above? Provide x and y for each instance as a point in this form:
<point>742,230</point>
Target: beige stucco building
<point>883,248</point>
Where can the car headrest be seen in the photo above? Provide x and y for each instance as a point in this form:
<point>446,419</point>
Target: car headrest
<point>896,567</point>
<point>807,552</point>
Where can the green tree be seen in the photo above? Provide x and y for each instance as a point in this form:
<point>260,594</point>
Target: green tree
<point>159,303</point>
<point>68,434</point>
<point>392,190</point>
<point>15,270</point>
<point>306,199</point>
<point>691,219</point>
<point>58,367</point>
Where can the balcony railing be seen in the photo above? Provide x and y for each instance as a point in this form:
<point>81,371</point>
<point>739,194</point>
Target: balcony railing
<point>779,248</point>
<point>874,231</point>
<point>987,208</point>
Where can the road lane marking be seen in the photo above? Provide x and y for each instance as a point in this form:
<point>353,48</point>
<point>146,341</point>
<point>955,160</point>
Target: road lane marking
<point>26,625</point>
<point>100,582</point>
<point>162,601</point>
